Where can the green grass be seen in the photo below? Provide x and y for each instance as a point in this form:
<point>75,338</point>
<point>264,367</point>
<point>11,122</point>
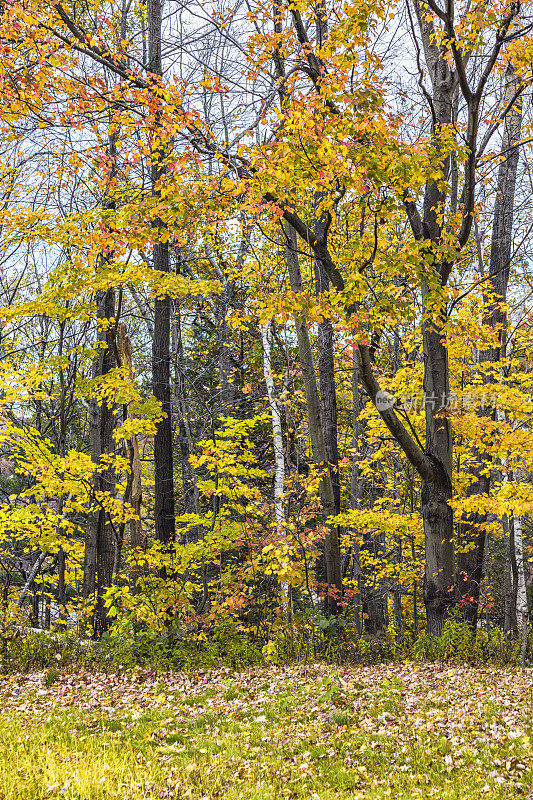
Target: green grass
<point>305,732</point>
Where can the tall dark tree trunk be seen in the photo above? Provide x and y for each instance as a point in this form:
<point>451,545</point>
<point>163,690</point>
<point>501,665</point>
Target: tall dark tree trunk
<point>61,589</point>
<point>163,447</point>
<point>105,545</point>
<point>472,532</point>
<point>436,494</point>
<point>328,392</point>
<point>34,615</point>
<point>326,358</point>
<point>437,514</point>
<point>99,544</point>
<point>397,590</point>
<point>355,495</point>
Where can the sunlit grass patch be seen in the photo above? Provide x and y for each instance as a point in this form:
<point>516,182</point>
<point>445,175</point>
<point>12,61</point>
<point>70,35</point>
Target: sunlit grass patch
<point>376,732</point>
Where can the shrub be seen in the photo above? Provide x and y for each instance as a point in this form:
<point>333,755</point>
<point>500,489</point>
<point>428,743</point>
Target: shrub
<point>51,676</point>
<point>228,644</point>
<point>457,645</point>
<point>40,650</point>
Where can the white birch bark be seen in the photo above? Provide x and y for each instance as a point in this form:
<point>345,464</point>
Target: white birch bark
<point>521,596</point>
<point>277,435</point>
<point>515,525</point>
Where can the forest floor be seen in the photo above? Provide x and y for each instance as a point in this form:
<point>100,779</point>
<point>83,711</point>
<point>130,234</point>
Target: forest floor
<point>319,732</point>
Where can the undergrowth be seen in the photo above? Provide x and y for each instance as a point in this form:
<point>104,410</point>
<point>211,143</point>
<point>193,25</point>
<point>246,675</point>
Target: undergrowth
<point>229,647</point>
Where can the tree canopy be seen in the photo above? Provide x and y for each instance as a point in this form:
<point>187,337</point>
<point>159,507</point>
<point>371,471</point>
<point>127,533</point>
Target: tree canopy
<point>265,347</point>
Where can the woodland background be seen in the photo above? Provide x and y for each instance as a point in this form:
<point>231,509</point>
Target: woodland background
<point>266,345</point>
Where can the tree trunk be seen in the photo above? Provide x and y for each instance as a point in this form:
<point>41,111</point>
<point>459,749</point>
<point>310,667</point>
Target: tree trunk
<point>185,437</point>
<point>510,623</point>
<point>135,493</point>
<point>437,492</point>
<point>99,544</point>
<point>277,433</point>
<point>163,447</point>
<point>326,359</point>
<point>105,546</point>
<point>520,593</point>
<point>355,485</point>
<point>224,350</point>
<point>397,592</point>
<point>164,516</point>
<point>279,455</point>
<point>331,542</point>
<point>61,590</point>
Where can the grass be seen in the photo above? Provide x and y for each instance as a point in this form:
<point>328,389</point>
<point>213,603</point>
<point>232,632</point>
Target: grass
<point>303,732</point>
